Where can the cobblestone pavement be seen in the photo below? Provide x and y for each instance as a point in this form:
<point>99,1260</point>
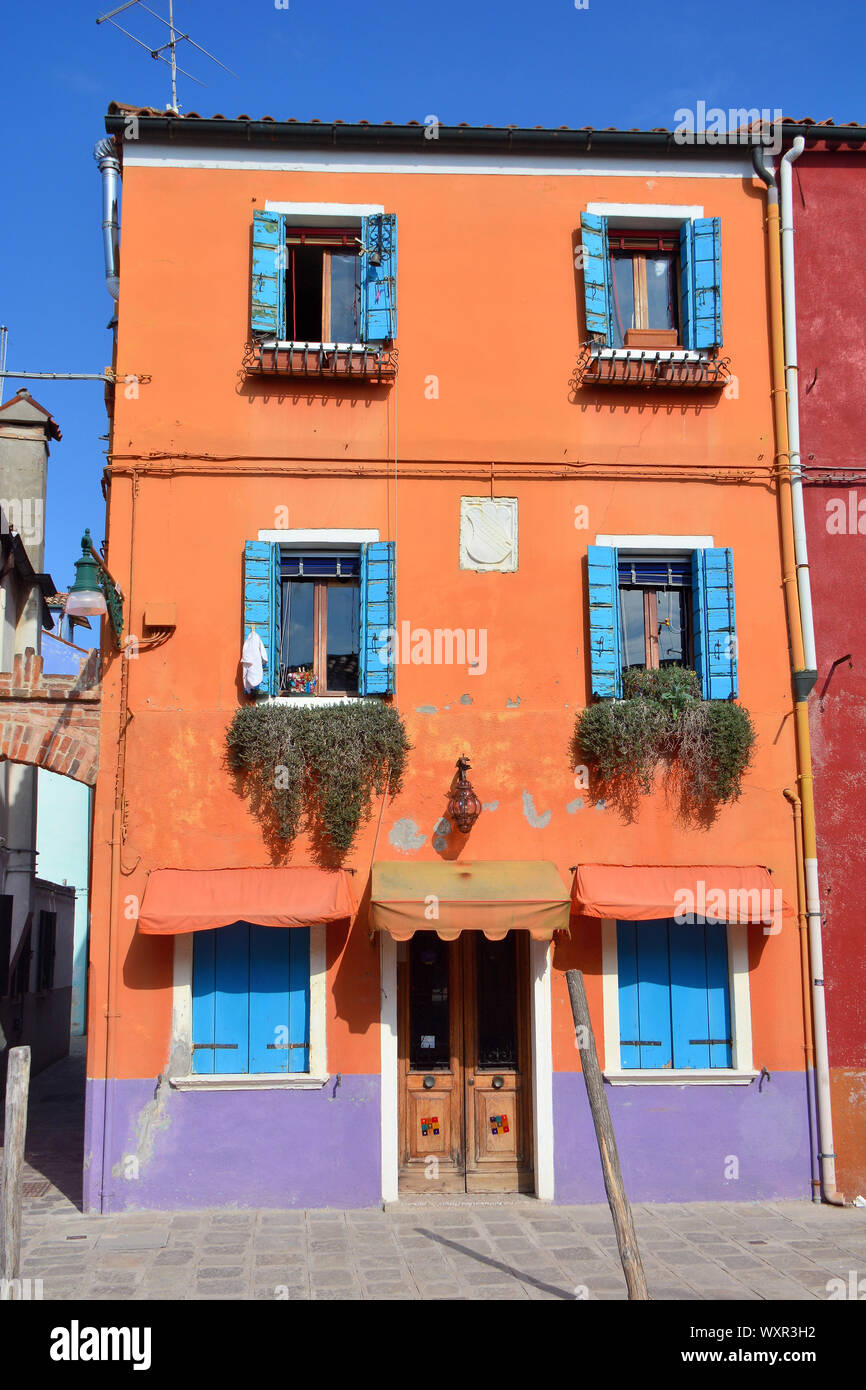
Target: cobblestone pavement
<point>779,1250</point>
<point>454,1249</point>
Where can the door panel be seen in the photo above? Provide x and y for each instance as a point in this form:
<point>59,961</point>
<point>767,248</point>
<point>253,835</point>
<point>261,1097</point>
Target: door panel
<point>464,1064</point>
<point>430,1065</point>
<point>496,1063</point>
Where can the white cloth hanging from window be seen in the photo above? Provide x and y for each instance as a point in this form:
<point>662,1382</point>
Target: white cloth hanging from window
<point>254,658</point>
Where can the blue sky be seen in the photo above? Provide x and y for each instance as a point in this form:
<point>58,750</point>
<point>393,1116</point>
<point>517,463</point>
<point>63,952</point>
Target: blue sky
<point>616,62</point>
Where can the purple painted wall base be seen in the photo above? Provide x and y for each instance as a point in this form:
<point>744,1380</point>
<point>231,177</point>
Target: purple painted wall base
<point>182,1150</point>
<point>677,1143</point>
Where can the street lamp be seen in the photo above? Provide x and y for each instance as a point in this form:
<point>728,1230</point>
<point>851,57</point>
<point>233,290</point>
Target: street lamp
<point>95,591</point>
<point>464,808</point>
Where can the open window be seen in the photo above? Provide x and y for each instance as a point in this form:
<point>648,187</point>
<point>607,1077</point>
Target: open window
<point>644,281</point>
<point>323,298</point>
<point>320,623</point>
<point>655,609</point>
<point>325,614</point>
<point>323,285</point>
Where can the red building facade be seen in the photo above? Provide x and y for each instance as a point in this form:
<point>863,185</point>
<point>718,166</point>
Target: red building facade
<point>829,217</point>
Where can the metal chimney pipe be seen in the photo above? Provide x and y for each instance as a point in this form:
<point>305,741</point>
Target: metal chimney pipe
<point>109,168</point>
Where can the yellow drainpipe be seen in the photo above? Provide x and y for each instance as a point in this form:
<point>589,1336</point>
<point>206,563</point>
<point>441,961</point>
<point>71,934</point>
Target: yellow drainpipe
<point>803,682</point>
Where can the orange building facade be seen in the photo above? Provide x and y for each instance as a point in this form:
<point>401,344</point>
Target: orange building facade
<point>478,450</point>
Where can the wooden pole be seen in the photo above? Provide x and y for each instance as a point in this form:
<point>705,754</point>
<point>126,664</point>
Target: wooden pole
<point>620,1210</point>
<point>17,1089</point>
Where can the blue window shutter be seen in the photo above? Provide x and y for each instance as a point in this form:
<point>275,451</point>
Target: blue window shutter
<point>232,1003</point>
<point>701,282</point>
<point>627,989</point>
<point>654,994</point>
<point>718,993</point>
<point>379,281</point>
<point>376,663</point>
<point>714,622</point>
<point>707,252</point>
<point>261,570</point>
<point>299,998</point>
<point>687,284</point>
<point>596,273</point>
<point>279,999</point>
<point>604,624</point>
<point>689,1004</point>
<point>267,295</point>
<point>203,1000</point>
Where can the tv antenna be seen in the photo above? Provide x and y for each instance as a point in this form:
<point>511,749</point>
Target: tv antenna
<point>175,37</point>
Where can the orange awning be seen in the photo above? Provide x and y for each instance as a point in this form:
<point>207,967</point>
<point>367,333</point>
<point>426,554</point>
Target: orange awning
<point>717,892</point>
<point>183,900</point>
<point>494,897</point>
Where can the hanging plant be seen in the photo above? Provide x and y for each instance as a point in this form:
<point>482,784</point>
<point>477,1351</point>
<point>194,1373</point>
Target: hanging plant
<point>663,719</point>
<point>318,767</point>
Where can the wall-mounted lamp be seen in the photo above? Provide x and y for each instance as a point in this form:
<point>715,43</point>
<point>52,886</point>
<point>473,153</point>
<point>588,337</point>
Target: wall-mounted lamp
<point>464,808</point>
<point>95,591</point>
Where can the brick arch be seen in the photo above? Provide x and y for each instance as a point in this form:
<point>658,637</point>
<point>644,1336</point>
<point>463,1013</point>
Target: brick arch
<point>51,721</point>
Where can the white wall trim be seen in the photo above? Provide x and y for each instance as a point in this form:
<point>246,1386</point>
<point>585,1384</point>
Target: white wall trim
<point>181,1029</point>
<point>324,536</point>
<point>667,543</point>
<point>324,214</point>
<point>389,1068</point>
<point>695,1077</point>
<point>663,215</point>
<point>740,1074</point>
<point>143,154</point>
<point>540,953</point>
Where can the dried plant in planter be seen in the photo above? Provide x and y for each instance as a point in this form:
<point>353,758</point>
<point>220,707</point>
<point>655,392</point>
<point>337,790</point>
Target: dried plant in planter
<point>663,719</point>
<point>318,766</point>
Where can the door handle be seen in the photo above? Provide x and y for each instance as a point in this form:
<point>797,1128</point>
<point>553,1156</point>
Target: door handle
<point>470,1081</point>
<point>497,1083</point>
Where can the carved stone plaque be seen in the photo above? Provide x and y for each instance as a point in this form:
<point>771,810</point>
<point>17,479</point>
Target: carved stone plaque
<point>488,534</point>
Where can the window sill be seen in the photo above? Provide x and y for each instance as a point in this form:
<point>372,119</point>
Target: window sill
<point>315,701</point>
<point>260,1081</point>
<point>356,361</point>
<point>716,1076</point>
<point>662,367</point>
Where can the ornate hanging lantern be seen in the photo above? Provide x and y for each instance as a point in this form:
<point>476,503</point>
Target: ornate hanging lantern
<point>464,808</point>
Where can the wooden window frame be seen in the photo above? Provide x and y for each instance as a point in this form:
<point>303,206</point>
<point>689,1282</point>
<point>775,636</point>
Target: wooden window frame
<point>320,633</point>
<point>651,622</point>
<point>636,245</point>
<point>328,240</point>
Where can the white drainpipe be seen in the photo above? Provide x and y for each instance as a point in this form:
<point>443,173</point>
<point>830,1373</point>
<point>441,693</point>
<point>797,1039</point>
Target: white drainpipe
<point>804,589</point>
<point>801,553</point>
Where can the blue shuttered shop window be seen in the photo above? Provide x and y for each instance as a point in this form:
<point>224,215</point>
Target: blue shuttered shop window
<point>674,994</point>
<point>715,624</point>
<point>251,1000</point>
<point>376,667</point>
<point>379,278</point>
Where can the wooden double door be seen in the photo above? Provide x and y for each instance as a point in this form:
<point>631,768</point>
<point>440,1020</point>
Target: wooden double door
<point>465,1112</point>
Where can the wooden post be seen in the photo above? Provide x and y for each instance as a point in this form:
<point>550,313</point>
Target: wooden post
<point>17,1090</point>
<point>620,1210</point>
